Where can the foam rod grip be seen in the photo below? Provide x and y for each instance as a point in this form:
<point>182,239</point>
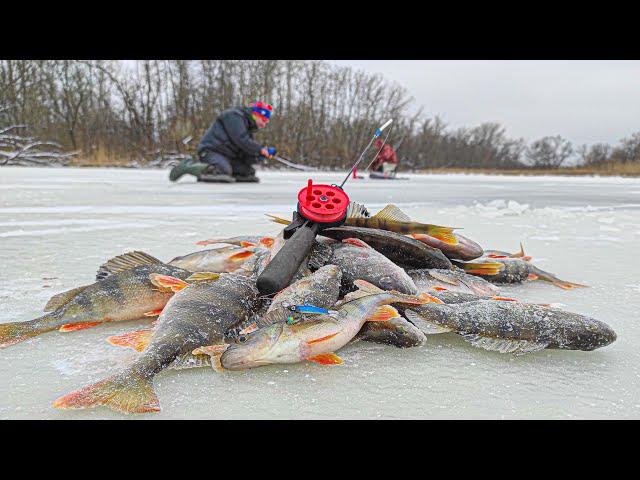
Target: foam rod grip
<point>279,272</point>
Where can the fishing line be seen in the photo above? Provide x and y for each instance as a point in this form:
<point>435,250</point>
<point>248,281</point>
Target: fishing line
<point>355,165</point>
<point>383,144</point>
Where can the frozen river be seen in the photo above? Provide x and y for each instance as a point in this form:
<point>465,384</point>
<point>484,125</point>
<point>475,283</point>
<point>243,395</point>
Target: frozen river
<point>58,225</point>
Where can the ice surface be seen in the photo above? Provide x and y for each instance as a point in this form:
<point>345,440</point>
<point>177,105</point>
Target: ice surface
<point>58,225</point>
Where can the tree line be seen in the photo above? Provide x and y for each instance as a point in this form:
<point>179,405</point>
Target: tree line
<point>115,112</point>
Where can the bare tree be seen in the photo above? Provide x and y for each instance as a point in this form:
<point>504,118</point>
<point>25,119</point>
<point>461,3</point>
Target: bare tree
<point>597,154</point>
<point>549,152</point>
<point>19,149</point>
<point>141,111</point>
<point>628,150</point>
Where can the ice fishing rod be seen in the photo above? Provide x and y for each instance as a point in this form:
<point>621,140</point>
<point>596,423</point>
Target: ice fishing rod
<point>384,142</point>
<point>288,163</point>
<point>377,133</point>
<point>319,206</point>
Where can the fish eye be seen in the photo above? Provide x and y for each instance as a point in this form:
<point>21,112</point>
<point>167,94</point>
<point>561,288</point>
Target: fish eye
<point>242,338</point>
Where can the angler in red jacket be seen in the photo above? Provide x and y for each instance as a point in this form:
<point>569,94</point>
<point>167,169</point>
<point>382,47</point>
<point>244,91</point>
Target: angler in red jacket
<point>386,160</point>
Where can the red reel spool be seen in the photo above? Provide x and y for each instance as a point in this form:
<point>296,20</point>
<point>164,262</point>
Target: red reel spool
<point>322,203</point>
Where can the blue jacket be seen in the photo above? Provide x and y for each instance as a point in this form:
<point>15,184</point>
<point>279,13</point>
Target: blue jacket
<point>231,134</point>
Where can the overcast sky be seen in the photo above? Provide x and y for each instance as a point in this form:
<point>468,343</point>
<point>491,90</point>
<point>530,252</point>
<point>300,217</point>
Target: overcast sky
<point>584,101</point>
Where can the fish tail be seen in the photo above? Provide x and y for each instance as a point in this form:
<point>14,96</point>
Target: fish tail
<point>276,219</point>
<point>539,274</point>
<point>444,234</point>
<point>16,332</point>
<point>126,393</point>
<point>483,268</point>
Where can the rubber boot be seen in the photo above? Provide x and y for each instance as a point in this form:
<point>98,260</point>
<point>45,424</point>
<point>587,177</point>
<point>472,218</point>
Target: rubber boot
<point>214,175</point>
<point>187,166</point>
<point>250,178</point>
<point>216,178</point>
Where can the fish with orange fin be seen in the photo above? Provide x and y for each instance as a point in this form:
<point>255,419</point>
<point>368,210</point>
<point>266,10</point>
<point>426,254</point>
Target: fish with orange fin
<point>517,269</point>
<point>203,308</point>
<point>465,249</point>
<point>390,218</point>
<point>358,260</point>
<point>454,280</point>
<point>217,260</point>
<point>513,327</point>
<point>122,292</point>
<point>241,241</point>
<point>400,249</point>
<point>509,326</point>
<point>501,254</point>
<point>311,336</point>
<point>449,297</point>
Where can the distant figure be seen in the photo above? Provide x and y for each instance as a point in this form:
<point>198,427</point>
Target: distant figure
<point>386,161</point>
<point>227,150</point>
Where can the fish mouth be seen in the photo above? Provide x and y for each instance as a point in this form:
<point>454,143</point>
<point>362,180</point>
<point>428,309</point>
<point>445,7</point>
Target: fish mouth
<point>607,337</point>
<point>235,359</point>
<point>240,356</point>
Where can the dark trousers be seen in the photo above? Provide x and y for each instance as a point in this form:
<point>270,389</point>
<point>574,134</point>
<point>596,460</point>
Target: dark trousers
<point>237,167</point>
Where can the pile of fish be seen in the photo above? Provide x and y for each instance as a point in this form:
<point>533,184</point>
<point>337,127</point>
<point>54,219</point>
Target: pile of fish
<point>381,278</point>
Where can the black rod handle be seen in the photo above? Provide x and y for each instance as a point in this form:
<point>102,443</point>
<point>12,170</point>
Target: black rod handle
<point>279,272</point>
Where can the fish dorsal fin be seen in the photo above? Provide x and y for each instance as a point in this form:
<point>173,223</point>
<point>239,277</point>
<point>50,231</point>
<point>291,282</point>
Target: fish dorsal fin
<point>443,277</point>
<point>123,262</point>
<point>203,276</point>
<point>519,254</point>
<point>517,347</point>
<point>357,210</point>
<point>391,212</point>
<point>425,326</point>
<point>189,360</point>
<point>63,298</point>
<point>351,296</point>
<point>367,287</point>
<point>274,316</point>
<point>364,290</point>
<point>276,219</point>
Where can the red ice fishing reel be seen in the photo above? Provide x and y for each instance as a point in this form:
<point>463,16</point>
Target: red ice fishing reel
<point>319,207</point>
<point>323,204</point>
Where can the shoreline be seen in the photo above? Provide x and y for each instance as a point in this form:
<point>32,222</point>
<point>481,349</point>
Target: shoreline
<point>632,171</point>
<point>627,171</point>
